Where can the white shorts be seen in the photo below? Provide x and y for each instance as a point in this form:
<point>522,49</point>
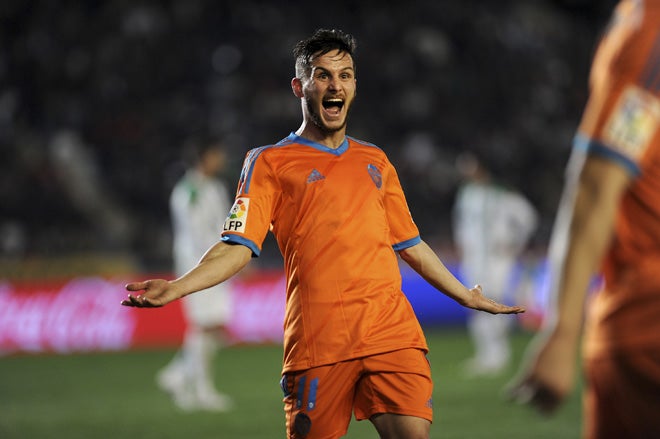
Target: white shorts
<point>210,307</point>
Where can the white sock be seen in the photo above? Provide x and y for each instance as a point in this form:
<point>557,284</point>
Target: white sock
<point>199,349</point>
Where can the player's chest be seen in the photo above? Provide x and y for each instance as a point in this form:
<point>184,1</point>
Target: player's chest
<point>332,177</point>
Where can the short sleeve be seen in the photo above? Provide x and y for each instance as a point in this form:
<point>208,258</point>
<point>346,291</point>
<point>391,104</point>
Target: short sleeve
<point>250,217</point>
<point>403,230</point>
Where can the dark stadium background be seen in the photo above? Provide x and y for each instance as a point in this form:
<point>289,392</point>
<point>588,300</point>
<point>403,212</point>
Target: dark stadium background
<point>97,97</point>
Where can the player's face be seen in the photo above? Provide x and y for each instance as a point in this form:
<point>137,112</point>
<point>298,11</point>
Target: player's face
<point>213,161</point>
<point>329,91</point>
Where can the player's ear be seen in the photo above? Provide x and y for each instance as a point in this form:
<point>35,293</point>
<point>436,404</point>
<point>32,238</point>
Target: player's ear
<point>296,86</point>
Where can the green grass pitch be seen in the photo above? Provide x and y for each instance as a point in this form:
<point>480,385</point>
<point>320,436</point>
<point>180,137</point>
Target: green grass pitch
<point>113,395</point>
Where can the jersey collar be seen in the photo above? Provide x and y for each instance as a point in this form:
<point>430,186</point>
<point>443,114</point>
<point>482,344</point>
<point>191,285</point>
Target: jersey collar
<point>293,137</point>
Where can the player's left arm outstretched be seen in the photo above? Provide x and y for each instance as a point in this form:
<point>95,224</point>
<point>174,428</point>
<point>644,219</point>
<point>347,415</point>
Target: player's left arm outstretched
<point>424,261</point>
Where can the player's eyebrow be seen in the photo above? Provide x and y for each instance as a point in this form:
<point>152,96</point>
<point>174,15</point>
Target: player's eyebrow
<point>322,69</point>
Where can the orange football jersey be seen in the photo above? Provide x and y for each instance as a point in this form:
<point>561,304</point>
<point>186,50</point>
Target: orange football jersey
<point>338,216</point>
<point>621,122</point>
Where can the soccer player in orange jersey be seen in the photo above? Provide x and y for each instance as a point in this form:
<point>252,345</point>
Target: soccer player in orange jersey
<point>352,343</point>
<point>609,216</point>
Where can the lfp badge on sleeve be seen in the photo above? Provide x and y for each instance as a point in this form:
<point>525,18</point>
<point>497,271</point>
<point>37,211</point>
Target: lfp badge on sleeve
<point>237,218</point>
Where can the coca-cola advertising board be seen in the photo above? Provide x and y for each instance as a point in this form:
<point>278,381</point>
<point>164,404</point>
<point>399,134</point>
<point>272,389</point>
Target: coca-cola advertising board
<point>84,314</point>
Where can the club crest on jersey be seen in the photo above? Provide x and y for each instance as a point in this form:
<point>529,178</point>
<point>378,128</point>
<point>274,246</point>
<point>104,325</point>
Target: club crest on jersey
<point>238,214</point>
<point>375,175</point>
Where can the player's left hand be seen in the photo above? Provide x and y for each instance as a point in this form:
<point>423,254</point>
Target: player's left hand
<point>480,302</point>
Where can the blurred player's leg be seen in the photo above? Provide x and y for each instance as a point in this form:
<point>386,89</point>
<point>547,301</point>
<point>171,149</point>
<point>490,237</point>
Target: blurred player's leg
<point>188,378</point>
<point>200,348</point>
<point>490,336</point>
<point>490,333</point>
<point>172,379</point>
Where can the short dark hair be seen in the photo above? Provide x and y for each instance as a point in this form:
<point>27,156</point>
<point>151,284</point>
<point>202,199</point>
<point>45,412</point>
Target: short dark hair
<point>321,42</point>
<point>196,145</point>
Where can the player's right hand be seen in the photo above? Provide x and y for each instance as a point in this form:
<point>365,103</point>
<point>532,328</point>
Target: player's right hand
<point>155,293</point>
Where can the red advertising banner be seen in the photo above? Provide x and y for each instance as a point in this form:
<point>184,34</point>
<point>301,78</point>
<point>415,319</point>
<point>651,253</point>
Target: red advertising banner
<point>84,314</point>
<point>76,315</point>
<point>258,308</point>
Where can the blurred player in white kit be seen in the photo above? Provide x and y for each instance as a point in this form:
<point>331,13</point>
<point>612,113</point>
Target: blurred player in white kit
<point>492,225</point>
<point>199,204</point>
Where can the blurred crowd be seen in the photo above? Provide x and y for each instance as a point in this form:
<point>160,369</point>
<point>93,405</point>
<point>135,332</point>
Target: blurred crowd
<point>97,98</point>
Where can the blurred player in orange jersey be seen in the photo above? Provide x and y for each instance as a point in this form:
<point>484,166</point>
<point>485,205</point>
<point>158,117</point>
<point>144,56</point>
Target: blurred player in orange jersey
<point>352,342</point>
<point>609,217</point>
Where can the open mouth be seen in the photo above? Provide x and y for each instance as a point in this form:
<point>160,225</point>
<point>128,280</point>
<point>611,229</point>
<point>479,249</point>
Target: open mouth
<point>333,105</point>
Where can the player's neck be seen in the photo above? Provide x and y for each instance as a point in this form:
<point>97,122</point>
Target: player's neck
<point>332,139</point>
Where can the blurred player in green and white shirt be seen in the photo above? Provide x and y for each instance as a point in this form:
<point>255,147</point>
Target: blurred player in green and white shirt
<point>492,225</point>
<point>199,204</point>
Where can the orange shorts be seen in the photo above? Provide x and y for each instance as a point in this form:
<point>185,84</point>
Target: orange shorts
<point>621,396</point>
<point>319,402</point>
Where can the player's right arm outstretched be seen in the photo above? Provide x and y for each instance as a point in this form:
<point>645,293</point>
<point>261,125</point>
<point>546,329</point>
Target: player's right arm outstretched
<point>220,262</point>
